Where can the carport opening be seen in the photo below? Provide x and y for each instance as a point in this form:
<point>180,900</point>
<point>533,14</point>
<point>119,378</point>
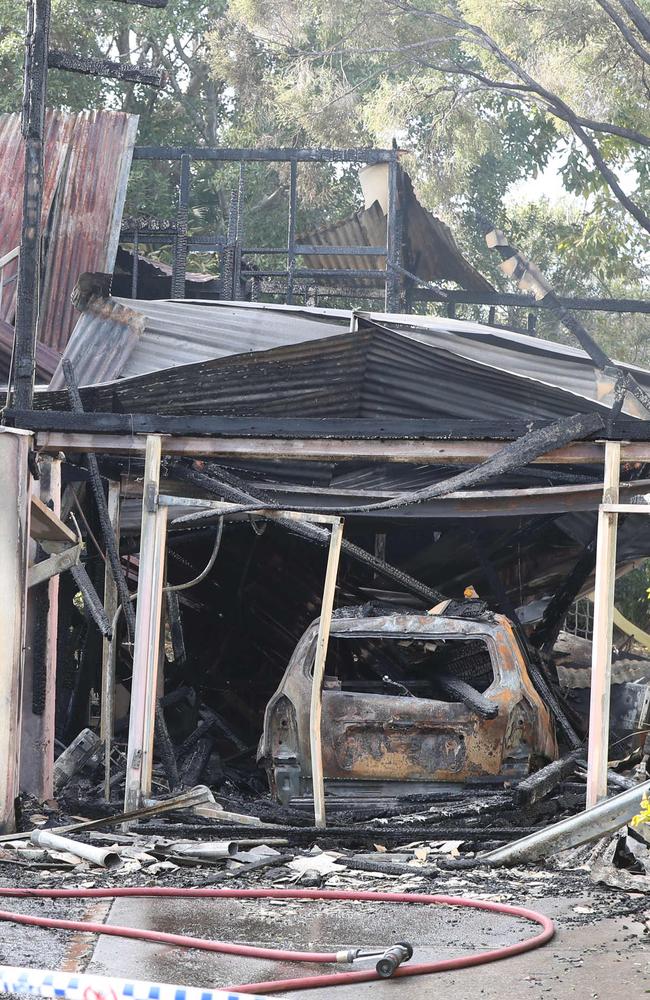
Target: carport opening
<point>407,667</point>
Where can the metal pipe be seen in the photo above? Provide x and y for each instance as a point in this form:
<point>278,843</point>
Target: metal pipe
<point>102,856</point>
<point>212,849</point>
<point>600,820</point>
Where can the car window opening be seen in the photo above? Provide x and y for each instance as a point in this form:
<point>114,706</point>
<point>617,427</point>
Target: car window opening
<point>406,667</point>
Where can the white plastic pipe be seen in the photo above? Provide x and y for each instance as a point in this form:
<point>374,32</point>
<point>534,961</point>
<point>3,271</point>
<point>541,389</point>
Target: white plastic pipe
<point>102,856</point>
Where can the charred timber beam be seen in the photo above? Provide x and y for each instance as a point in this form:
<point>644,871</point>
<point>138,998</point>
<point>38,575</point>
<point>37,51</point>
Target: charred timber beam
<point>92,600</point>
<point>584,304</point>
<point>530,278</point>
<point>535,664</point>
<point>33,119</point>
<point>308,428</point>
<point>461,691</point>
<point>529,448</point>
<point>91,66</point>
<point>542,782</point>
<point>226,487</point>
<point>158,4</point>
<point>108,531</point>
<point>546,632</point>
<point>276,155</point>
<point>365,428</point>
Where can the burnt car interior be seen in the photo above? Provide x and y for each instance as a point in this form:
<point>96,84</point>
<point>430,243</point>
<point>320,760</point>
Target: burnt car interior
<point>409,667</point>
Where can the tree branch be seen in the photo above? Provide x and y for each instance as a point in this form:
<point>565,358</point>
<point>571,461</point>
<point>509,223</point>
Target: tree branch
<point>521,90</point>
<point>637,17</point>
<point>627,33</point>
<point>485,41</point>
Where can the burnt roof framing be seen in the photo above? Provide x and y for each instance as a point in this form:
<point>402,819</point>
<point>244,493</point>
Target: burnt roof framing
<point>230,248</point>
<point>394,276</point>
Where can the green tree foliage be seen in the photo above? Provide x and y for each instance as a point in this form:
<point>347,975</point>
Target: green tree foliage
<point>480,96</point>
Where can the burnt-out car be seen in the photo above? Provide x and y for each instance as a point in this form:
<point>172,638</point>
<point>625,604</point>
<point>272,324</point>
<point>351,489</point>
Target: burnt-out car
<point>408,698</point>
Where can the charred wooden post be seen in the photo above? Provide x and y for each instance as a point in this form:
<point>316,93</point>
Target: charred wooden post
<point>39,687</point>
<point>14,534</point>
<point>33,123</point>
<point>147,634</point>
<point>180,241</point>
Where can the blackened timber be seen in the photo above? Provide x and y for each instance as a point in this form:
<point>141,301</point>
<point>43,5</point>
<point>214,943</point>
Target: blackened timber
<point>278,154</point>
<point>91,66</point>
<point>225,487</point>
<point>529,277</point>
<point>33,119</point>
<point>108,532</point>
<point>358,429</point>
<point>158,4</point>
<point>546,632</point>
<point>513,456</point>
<point>534,660</point>
<point>461,691</point>
<point>92,600</point>
<point>538,785</point>
<point>492,299</point>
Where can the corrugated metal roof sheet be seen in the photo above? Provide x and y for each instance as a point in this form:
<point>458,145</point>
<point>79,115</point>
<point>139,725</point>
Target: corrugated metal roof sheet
<point>124,337</point>
<point>180,332</point>
<point>87,162</point>
<point>375,372</point>
<point>430,248</point>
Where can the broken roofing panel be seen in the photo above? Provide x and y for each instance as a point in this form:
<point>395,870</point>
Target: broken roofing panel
<point>87,162</point>
<point>430,250</point>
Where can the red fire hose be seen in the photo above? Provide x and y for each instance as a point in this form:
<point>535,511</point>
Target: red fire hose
<point>308,982</point>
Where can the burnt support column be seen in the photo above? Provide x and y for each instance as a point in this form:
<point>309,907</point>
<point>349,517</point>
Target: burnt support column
<point>39,687</point>
<point>144,685</point>
<point>33,123</point>
<point>14,537</point>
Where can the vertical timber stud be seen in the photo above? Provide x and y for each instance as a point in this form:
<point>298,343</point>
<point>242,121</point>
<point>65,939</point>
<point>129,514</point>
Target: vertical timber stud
<point>14,538</point>
<point>601,661</point>
<point>322,640</point>
<point>39,682</point>
<point>392,238</point>
<point>291,231</point>
<point>33,124</point>
<point>110,607</point>
<point>179,267</point>
<point>147,633</point>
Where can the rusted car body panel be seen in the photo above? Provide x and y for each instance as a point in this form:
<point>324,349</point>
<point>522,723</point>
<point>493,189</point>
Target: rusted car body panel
<point>403,738</point>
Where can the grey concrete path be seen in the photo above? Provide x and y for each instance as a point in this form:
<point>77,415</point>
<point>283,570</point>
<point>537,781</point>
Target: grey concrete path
<point>601,961</point>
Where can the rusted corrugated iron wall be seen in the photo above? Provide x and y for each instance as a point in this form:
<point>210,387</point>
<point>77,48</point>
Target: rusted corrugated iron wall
<point>87,162</point>
<point>12,158</point>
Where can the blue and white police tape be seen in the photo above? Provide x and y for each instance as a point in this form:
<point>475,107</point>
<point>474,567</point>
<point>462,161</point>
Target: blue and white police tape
<point>73,986</point>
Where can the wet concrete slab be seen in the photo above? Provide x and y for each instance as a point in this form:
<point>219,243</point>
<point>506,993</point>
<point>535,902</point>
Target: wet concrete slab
<point>603,960</point>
